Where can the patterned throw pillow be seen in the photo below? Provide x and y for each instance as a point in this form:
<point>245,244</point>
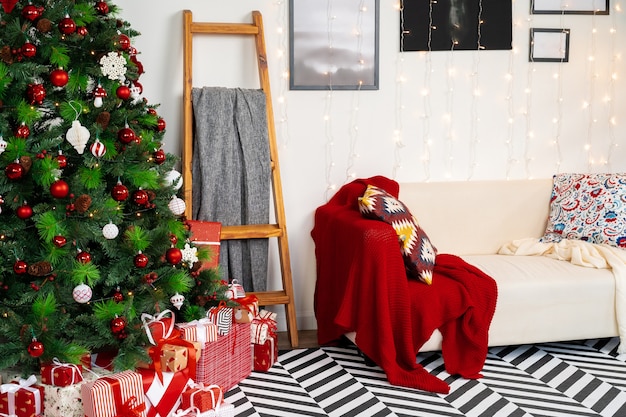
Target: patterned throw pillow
<point>590,207</point>
<point>417,251</point>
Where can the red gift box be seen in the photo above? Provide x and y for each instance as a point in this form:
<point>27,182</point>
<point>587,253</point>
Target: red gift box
<point>23,398</point>
<point>265,355</point>
<point>227,361</point>
<point>61,374</point>
<point>205,233</point>
<point>163,396</point>
<point>158,327</point>
<point>201,397</point>
<point>114,395</point>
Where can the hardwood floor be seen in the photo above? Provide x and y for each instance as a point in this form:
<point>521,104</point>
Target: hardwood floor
<point>306,339</point>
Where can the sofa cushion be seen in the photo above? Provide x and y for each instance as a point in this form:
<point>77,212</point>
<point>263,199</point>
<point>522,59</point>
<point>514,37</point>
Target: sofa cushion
<point>417,251</point>
<point>590,207</point>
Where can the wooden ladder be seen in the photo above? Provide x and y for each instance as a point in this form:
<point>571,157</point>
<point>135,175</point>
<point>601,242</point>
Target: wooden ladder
<point>255,231</point>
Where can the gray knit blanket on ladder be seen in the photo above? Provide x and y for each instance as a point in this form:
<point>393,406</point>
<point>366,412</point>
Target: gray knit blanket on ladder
<point>231,175</point>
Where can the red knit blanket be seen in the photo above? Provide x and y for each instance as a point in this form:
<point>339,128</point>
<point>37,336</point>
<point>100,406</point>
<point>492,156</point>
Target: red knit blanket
<point>362,286</point>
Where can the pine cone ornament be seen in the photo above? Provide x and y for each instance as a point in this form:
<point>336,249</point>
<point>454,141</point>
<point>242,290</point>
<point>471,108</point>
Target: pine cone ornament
<point>82,203</point>
<point>44,25</point>
<point>40,269</point>
<point>5,54</point>
<point>26,162</point>
<point>103,119</point>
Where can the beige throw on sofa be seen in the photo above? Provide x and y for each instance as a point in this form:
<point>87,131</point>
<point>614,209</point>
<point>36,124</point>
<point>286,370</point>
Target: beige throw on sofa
<point>586,254</point>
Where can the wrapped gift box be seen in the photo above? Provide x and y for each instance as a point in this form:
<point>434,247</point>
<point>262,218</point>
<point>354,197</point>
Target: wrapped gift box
<point>205,233</point>
<point>158,327</point>
<point>114,395</point>
<point>61,374</point>
<point>225,409</point>
<point>66,401</point>
<point>265,355</point>
<point>174,358</point>
<point>228,360</point>
<point>222,317</point>
<point>163,395</point>
<point>198,331</point>
<point>247,310</point>
<point>23,398</point>
<point>202,397</point>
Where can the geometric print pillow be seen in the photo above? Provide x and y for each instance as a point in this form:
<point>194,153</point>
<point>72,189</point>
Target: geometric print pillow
<point>417,251</point>
<point>590,207</point>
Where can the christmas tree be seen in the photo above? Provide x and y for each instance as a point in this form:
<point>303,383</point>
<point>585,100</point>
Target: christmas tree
<point>91,234</point>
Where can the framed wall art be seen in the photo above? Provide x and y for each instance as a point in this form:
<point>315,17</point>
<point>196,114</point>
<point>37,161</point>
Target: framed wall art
<point>569,6</point>
<point>549,45</point>
<point>428,25</point>
<point>333,45</point>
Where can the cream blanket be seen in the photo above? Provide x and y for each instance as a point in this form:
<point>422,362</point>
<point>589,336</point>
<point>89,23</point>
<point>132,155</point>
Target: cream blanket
<point>586,254</point>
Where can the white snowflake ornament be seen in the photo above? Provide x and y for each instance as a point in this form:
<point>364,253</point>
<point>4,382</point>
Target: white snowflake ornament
<point>78,135</point>
<point>113,66</point>
<point>190,254</point>
<point>3,144</point>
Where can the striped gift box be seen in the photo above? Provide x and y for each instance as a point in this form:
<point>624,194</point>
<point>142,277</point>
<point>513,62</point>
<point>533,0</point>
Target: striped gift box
<point>114,395</point>
<point>198,331</point>
<point>222,317</point>
<point>228,360</point>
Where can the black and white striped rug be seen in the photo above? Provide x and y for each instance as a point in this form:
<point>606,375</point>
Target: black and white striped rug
<point>585,378</point>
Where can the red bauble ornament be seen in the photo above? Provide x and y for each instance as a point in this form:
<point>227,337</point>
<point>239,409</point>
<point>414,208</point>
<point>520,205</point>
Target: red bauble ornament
<point>160,125</point>
<point>20,267</point>
<point>102,7</point>
<point>24,211</point>
<point>59,189</point>
<point>22,131</point>
<point>62,160</point>
<point>36,93</point>
<point>82,31</point>
<point>83,257</point>
<point>59,77</point>
<point>159,156</point>
<point>123,41</point>
<point>140,197</point>
<point>35,349</point>
<point>174,256</point>
<point>173,239</point>
<point>123,92</point>
<point>118,325</point>
<point>31,12</point>
<point>67,26</point>
<point>28,50</point>
<point>59,241</point>
<point>14,171</point>
<point>118,297</point>
<point>126,135</point>
<point>119,192</point>
<point>141,260</point>
<point>152,112</point>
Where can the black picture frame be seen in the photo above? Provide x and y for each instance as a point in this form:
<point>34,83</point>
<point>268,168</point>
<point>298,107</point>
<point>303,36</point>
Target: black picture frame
<point>344,58</point>
<point>589,7</point>
<point>549,45</point>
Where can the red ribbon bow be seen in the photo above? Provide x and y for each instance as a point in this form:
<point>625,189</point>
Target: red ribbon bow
<point>8,5</point>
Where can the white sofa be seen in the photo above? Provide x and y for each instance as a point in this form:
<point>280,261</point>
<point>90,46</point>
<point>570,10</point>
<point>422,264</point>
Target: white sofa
<point>540,299</point>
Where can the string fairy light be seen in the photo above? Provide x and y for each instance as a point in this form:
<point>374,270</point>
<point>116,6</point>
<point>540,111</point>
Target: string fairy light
<point>426,87</point>
<point>611,94</point>
<point>282,21</point>
<point>447,117</point>
<point>527,112</point>
<point>474,118</point>
<point>328,132</point>
<point>400,79</point>
<point>558,120</point>
<point>509,99</point>
<point>588,104</point>
<point>356,96</point>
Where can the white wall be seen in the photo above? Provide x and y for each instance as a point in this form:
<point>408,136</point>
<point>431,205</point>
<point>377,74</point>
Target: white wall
<point>487,115</point>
